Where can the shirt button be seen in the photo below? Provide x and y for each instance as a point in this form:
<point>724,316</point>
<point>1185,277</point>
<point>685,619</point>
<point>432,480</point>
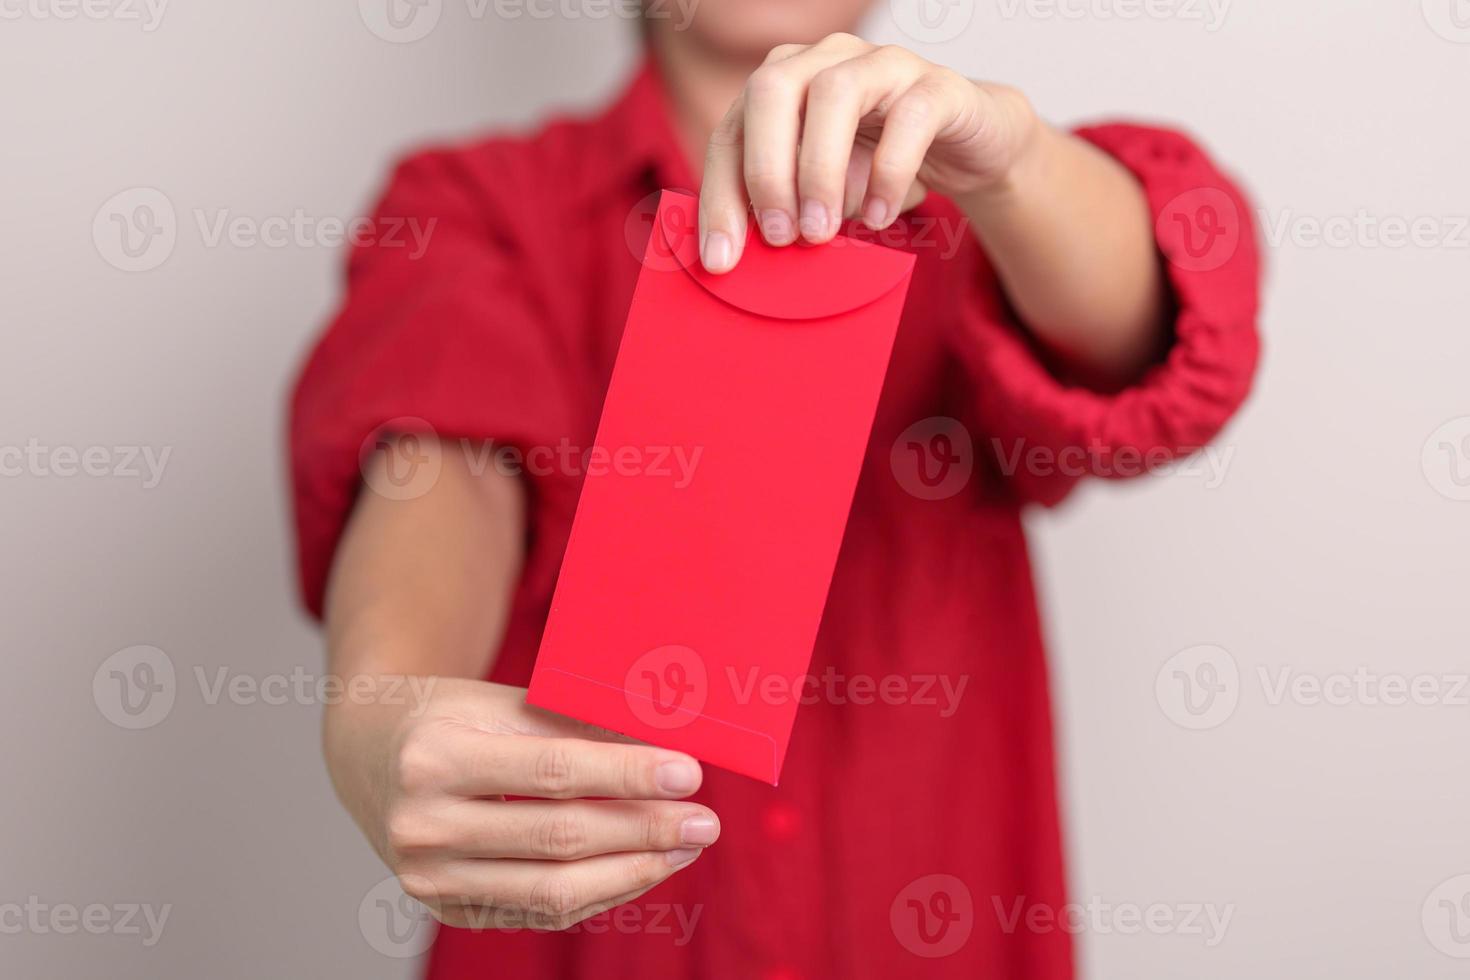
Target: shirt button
<point>781,821</point>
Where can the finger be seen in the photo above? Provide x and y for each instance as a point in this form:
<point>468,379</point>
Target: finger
<point>560,726</point>
<point>722,209</point>
<point>483,917</point>
<point>772,102</point>
<point>775,99</point>
<point>909,128</point>
<point>723,200</point>
<point>566,768</point>
<point>551,895</point>
<point>745,169</point>
<point>572,830</point>
<point>856,189</point>
<point>838,98</point>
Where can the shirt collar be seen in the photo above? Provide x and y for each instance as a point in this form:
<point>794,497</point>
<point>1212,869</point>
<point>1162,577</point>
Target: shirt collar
<point>637,139</point>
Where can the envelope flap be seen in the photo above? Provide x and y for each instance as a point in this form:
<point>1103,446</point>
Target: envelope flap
<point>797,282</point>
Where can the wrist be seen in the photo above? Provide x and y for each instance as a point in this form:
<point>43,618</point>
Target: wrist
<point>1031,146</point>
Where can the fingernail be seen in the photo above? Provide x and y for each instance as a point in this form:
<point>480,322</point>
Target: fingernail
<point>814,219</point>
<point>776,227</point>
<point>699,830</point>
<point>875,213</point>
<point>678,777</point>
<point>718,251</point>
<point>681,857</point>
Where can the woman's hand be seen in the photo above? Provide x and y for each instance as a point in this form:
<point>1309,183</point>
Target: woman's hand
<point>843,128</point>
<point>427,783</point>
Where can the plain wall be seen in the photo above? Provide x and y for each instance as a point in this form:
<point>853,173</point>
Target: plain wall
<point>1332,542</point>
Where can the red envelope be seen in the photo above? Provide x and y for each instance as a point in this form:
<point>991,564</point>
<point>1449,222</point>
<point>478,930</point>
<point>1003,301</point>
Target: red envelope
<point>717,492</point>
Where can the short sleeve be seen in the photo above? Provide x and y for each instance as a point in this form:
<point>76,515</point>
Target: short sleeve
<point>439,332</point>
<point>1048,433</point>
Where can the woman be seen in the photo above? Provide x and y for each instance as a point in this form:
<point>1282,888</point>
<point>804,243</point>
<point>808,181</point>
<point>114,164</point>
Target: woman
<point>911,834</point>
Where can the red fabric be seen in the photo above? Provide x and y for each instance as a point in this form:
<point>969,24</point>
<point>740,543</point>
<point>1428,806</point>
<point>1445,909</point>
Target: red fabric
<point>506,328</point>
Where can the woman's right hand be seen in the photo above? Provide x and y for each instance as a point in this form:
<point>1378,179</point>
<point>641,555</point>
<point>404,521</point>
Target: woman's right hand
<point>426,779</point>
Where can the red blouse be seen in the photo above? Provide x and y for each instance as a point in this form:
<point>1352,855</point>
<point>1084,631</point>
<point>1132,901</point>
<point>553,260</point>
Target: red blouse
<point>918,805</point>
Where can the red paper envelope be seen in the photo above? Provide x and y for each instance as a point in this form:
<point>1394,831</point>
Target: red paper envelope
<point>717,492</point>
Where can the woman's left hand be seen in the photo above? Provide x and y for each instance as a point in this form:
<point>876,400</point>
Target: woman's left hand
<point>844,128</point>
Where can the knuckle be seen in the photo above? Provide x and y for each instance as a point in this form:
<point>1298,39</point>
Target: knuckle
<point>727,132</point>
<point>763,183</point>
<point>887,169</point>
<point>914,109</point>
<point>634,773</point>
<point>559,836</point>
<point>831,83</point>
<point>555,769</point>
<point>554,897</point>
<point>893,54</point>
<point>769,82</point>
<point>420,762</point>
<point>407,832</point>
<point>649,869</point>
<point>420,887</point>
<point>940,77</point>
<point>782,51</point>
<point>660,829</point>
<point>842,39</point>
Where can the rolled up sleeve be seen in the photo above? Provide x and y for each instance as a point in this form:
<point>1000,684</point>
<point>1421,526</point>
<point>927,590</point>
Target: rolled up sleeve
<point>1048,433</point>
<point>440,334</point>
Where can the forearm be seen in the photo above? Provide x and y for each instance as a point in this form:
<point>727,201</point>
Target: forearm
<point>1069,234</point>
<point>423,586</point>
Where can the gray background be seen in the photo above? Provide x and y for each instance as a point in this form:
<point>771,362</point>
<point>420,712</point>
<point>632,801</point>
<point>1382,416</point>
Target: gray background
<point>1334,832</point>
